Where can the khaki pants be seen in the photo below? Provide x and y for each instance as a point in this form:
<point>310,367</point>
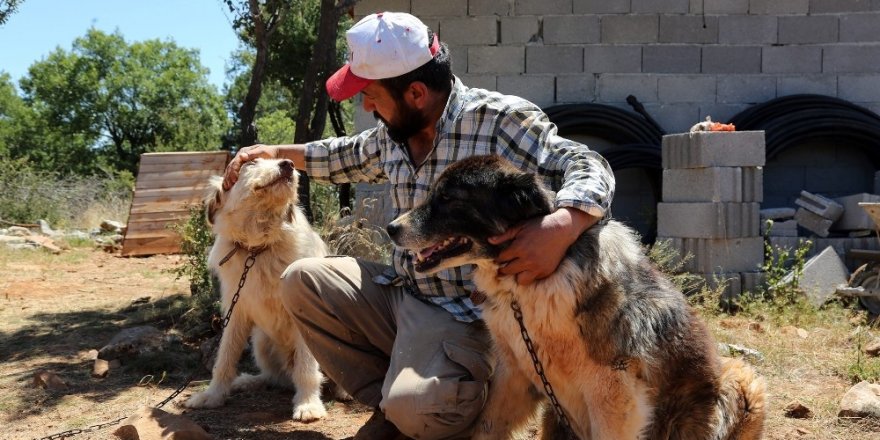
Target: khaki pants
<point>428,372</point>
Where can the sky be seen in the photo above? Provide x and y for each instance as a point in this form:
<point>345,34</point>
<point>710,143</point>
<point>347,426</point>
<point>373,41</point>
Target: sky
<point>40,26</point>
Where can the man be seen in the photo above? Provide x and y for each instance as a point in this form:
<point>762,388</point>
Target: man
<point>413,346</point>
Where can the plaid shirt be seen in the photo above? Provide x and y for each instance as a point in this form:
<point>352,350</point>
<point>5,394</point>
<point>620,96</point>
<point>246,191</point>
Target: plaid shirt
<point>474,122</point>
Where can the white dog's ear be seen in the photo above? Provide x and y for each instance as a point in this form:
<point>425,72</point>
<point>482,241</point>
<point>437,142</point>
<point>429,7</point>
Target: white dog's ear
<point>213,199</point>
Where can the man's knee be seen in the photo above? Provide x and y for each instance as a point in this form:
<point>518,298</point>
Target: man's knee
<point>448,411</point>
<point>300,283</point>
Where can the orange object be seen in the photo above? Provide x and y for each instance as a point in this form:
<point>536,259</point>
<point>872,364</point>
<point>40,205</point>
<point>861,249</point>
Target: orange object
<point>718,126</point>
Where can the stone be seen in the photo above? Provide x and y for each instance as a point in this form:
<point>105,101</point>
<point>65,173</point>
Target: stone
<point>862,400</point>
<point>873,348</point>
<point>45,229</point>
<point>49,380</point>
<point>750,354</point>
<point>101,368</point>
<point>131,342</point>
<point>18,231</point>
<point>113,226</point>
<point>797,410</point>
<point>155,424</point>
<point>44,242</point>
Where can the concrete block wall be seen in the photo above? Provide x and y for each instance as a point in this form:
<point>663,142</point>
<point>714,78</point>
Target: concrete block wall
<point>684,59</point>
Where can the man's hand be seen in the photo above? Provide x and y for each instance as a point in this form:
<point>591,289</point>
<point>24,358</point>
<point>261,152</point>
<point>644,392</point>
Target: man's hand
<point>246,154</point>
<point>538,245</point>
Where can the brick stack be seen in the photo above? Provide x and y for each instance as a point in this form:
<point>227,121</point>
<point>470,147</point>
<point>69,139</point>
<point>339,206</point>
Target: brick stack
<point>712,189</point>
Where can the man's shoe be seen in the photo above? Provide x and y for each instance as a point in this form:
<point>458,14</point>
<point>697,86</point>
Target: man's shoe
<point>377,428</point>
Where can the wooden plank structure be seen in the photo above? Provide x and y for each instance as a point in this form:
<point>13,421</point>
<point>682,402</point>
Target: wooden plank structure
<point>167,185</point>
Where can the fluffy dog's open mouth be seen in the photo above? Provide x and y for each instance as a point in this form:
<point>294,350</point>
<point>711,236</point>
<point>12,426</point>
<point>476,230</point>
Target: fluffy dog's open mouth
<point>282,179</point>
<point>429,257</point>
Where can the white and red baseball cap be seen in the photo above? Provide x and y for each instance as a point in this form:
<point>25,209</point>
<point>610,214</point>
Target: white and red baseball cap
<point>383,45</point>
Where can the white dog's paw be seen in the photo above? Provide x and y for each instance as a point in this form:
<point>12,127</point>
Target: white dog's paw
<point>248,382</point>
<point>309,411</point>
<point>206,399</point>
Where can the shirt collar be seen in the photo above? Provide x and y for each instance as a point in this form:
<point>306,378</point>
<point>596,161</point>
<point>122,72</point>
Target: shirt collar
<point>454,104</point>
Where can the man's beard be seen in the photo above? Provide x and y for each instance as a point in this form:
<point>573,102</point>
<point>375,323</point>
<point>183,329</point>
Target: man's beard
<point>409,122</point>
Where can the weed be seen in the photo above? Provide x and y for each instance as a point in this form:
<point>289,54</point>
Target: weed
<point>863,368</point>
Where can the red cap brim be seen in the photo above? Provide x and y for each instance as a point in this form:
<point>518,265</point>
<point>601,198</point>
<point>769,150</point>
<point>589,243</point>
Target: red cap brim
<point>344,84</point>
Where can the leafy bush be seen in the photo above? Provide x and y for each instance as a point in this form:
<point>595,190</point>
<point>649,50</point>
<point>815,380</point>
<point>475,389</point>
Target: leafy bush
<point>196,241</point>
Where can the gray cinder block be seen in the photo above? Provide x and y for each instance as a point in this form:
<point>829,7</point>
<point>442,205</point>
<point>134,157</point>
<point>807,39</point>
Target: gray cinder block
<point>787,228</point>
<point>813,222</point>
<point>777,213</point>
<point>713,149</point>
<point>822,274</point>
<point>820,205</point>
<point>719,255</point>
<point>708,220</point>
<point>715,184</point>
<point>854,217</point>
<point>753,281</point>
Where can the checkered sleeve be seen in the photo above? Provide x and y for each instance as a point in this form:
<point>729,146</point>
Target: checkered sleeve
<point>347,159</point>
<point>581,177</point>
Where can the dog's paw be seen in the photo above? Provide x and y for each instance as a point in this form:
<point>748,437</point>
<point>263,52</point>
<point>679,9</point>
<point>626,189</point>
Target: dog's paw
<point>309,411</point>
<point>248,382</point>
<point>206,399</point>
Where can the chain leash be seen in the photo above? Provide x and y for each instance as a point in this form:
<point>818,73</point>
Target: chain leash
<point>248,263</point>
<point>539,367</point>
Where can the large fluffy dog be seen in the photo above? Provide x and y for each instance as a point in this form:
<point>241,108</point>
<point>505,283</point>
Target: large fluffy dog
<point>626,356</point>
<point>258,215</point>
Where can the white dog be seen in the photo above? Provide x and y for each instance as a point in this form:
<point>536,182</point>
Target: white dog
<point>259,216</point>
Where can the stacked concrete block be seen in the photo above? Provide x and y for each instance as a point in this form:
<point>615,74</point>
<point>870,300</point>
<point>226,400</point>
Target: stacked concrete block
<point>712,189</point>
<point>817,213</point>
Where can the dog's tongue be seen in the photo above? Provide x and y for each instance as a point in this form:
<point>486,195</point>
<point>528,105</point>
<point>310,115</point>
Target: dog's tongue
<point>425,253</point>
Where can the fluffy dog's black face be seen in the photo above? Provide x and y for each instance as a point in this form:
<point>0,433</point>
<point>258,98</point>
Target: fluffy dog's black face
<point>474,199</point>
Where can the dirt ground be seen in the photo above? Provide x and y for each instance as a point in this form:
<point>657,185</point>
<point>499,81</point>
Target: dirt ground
<point>54,309</point>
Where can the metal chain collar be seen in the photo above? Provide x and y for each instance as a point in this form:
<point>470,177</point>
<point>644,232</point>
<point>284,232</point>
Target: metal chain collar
<point>248,263</point>
<point>539,367</point>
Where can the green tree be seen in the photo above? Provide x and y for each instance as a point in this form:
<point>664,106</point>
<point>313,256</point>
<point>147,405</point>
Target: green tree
<point>7,7</point>
<point>107,102</point>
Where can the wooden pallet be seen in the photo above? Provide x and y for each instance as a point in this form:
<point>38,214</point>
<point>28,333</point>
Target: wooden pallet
<point>167,186</point>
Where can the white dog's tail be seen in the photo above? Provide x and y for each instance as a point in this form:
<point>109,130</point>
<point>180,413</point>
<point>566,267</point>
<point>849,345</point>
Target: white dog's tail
<point>741,407</point>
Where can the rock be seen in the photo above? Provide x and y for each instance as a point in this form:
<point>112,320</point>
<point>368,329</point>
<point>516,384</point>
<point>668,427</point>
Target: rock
<point>113,226</point>
<point>44,242</point>
<point>132,342</point>
<point>49,380</point>
<point>822,274</point>
<point>155,424</point>
<point>18,231</point>
<point>873,349</point>
<point>797,410</point>
<point>749,354</point>
<point>790,330</point>
<point>862,400</point>
<point>102,367</point>
<point>45,229</point>
<point>78,235</point>
<point>12,239</point>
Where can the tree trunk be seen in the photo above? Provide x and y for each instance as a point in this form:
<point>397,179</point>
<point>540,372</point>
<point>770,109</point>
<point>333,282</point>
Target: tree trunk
<point>311,115</point>
<point>247,111</point>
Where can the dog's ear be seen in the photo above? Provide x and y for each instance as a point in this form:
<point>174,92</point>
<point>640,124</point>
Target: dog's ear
<point>213,199</point>
<point>526,195</point>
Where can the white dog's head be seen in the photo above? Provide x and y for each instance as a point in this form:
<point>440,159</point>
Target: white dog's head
<point>254,209</point>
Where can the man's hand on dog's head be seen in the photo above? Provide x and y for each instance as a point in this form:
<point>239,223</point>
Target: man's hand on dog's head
<point>538,245</point>
<point>246,154</point>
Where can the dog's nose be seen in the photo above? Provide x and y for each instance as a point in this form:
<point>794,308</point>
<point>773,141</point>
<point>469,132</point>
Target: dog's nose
<point>393,230</point>
<point>286,166</point>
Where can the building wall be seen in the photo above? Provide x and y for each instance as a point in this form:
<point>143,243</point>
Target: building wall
<point>684,59</point>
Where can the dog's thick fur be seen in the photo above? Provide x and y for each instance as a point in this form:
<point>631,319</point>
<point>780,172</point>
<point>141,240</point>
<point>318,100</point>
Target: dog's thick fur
<point>625,354</point>
<point>259,213</point>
